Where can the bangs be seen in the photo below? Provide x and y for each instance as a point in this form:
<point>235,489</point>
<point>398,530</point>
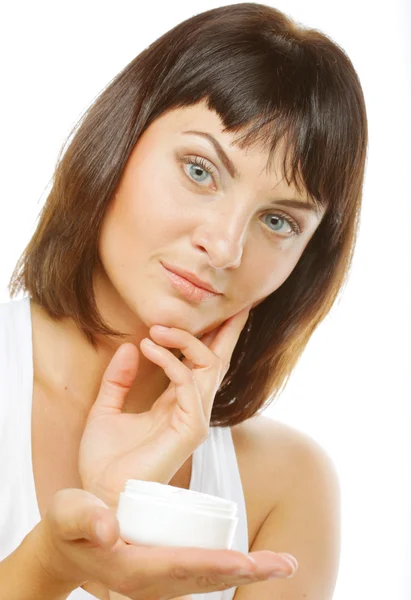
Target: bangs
<point>273,90</point>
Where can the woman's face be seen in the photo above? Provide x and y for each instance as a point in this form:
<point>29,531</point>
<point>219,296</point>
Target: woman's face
<point>240,228</point>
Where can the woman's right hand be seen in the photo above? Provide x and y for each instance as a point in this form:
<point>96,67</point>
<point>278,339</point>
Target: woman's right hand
<point>78,541</point>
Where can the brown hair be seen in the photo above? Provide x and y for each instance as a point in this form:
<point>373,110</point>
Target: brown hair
<point>268,77</point>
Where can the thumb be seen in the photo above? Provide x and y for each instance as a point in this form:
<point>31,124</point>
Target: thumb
<point>117,381</point>
<point>78,514</point>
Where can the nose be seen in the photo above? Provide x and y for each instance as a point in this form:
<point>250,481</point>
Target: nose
<point>222,237</point>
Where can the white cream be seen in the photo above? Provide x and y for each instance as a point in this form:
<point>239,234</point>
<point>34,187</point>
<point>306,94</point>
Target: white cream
<point>163,515</point>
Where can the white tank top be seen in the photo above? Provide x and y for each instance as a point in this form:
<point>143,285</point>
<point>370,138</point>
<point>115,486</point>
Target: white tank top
<point>214,470</point>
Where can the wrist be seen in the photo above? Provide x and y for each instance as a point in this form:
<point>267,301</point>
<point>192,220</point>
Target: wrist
<point>23,575</point>
<point>108,496</point>
<point>48,564</point>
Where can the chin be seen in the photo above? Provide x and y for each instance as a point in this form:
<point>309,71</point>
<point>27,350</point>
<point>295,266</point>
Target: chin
<point>167,311</point>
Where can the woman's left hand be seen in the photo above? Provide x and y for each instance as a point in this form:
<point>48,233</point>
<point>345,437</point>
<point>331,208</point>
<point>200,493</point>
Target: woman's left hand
<point>153,445</point>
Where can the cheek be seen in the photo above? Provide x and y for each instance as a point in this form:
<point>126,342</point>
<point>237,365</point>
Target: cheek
<point>142,210</point>
<point>265,276</point>
<point>155,201</point>
<point>143,218</point>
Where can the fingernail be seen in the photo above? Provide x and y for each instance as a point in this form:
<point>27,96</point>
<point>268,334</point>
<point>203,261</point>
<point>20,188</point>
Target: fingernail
<point>280,573</point>
<point>284,571</point>
<point>290,558</point>
<point>161,327</point>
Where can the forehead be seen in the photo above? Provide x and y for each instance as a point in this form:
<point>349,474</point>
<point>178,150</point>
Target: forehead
<point>195,117</point>
<point>171,126</point>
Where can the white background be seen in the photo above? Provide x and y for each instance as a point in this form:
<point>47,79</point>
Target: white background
<point>351,389</point>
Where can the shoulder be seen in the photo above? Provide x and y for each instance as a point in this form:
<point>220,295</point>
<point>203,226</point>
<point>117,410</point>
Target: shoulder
<point>282,461</point>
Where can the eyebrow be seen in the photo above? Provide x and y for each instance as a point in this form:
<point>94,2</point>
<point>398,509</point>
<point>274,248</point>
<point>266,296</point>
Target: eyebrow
<point>229,165</point>
<point>309,206</point>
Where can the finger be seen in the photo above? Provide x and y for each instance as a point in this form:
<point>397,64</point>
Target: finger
<point>195,570</point>
<point>207,338</point>
<point>221,340</point>
<point>75,514</point>
<point>117,381</point>
<point>208,363</point>
<point>189,411</point>
<point>227,335</point>
<point>196,379</point>
<point>192,347</point>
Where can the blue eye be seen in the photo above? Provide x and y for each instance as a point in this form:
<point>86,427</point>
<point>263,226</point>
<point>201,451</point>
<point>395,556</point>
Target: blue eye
<point>278,220</point>
<point>198,167</point>
<point>196,172</point>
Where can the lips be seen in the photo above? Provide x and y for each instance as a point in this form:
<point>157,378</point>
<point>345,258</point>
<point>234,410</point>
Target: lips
<point>191,277</point>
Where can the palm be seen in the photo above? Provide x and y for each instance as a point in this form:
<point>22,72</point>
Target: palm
<point>121,446</point>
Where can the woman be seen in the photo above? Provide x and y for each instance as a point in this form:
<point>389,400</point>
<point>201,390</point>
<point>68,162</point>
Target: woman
<point>229,154</point>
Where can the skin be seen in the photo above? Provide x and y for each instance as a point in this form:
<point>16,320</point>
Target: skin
<point>227,231</point>
<point>232,232</point>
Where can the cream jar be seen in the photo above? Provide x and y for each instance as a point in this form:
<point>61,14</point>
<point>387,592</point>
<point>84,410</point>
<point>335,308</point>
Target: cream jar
<point>155,514</point>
